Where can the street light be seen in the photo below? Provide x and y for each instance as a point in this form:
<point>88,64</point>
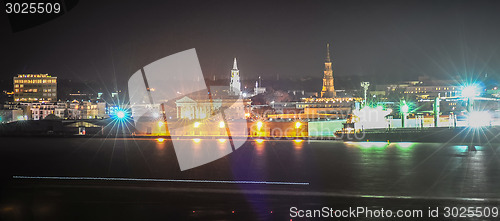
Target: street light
<point>259,125</point>
<point>120,114</point>
<point>196,124</point>
<point>404,109</point>
<point>298,124</point>
<point>365,85</point>
<point>222,124</point>
<point>470,92</point>
<point>161,123</point>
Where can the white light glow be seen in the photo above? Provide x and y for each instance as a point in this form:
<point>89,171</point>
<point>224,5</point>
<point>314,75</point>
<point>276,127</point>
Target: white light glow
<point>470,91</point>
<point>120,114</point>
<point>479,119</point>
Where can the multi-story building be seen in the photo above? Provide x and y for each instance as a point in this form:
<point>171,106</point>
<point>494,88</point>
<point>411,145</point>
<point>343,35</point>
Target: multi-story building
<point>432,91</point>
<point>65,110</point>
<point>35,88</point>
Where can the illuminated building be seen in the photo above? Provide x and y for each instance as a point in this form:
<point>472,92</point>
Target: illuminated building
<point>432,91</point>
<point>35,88</point>
<point>64,110</point>
<point>191,109</point>
<point>257,89</point>
<point>188,108</point>
<point>235,85</point>
<point>328,90</point>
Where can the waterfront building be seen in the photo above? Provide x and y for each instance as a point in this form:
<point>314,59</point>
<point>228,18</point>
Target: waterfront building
<point>432,91</point>
<point>328,90</point>
<point>35,88</point>
<point>197,109</point>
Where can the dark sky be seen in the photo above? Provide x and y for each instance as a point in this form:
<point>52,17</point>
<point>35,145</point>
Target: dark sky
<point>109,40</point>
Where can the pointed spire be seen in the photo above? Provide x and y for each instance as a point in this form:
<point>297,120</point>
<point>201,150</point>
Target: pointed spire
<point>327,53</point>
<point>235,65</point>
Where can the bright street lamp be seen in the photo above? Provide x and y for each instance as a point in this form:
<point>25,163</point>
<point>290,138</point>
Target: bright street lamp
<point>297,125</point>
<point>259,125</point>
<point>471,91</point>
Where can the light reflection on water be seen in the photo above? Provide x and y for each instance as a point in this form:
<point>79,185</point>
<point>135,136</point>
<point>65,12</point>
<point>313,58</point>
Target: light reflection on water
<point>366,168</point>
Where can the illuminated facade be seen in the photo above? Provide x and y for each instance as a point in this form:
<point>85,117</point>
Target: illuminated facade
<point>198,109</point>
<point>328,90</point>
<point>188,108</point>
<point>35,88</point>
<point>235,85</point>
<point>432,91</point>
<point>64,110</point>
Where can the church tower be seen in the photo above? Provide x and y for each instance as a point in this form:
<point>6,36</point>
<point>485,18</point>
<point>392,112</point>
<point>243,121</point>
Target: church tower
<point>328,90</point>
<point>235,85</point>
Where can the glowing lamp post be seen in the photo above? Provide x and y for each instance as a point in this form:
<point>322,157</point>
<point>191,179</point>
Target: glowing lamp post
<point>365,85</point>
<point>259,125</point>
<point>297,127</point>
<point>470,92</point>
<point>404,109</point>
<point>259,128</point>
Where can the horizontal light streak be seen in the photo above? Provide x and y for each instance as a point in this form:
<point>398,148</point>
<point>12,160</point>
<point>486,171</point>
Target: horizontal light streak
<point>161,180</point>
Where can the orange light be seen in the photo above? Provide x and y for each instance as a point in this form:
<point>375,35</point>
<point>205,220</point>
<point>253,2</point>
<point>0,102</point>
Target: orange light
<point>298,141</point>
<point>298,124</point>
<point>160,140</point>
<point>259,141</point>
<point>247,115</point>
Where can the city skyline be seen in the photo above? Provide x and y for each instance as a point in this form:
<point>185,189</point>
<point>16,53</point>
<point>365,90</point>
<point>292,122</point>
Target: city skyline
<point>393,39</point>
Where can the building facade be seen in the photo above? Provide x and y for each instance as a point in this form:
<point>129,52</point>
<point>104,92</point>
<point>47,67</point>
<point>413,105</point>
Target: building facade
<point>35,88</point>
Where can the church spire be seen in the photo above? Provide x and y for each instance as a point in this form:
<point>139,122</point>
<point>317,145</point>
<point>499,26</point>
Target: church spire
<point>327,52</point>
<point>235,65</point>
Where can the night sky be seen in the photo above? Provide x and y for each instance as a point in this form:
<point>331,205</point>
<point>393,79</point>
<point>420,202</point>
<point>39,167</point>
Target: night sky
<point>108,41</point>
